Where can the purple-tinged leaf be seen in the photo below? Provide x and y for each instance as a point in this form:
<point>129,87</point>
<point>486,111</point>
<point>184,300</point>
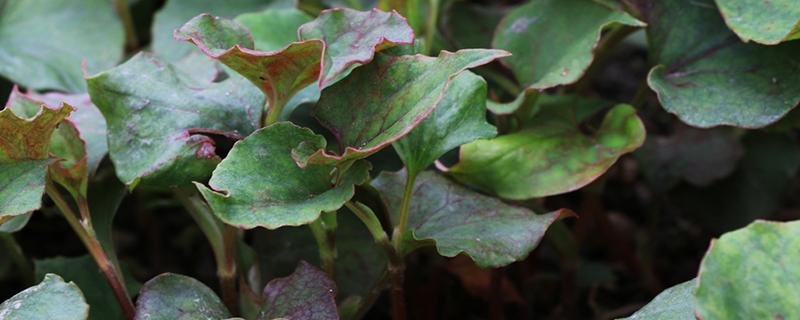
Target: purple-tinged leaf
<point>172,296</point>
<point>384,100</point>
<point>306,294</point>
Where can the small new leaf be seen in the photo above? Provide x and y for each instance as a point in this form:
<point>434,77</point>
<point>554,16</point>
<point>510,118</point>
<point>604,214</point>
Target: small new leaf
<point>51,299</point>
<point>306,294</point>
<point>171,296</point>
<point>675,303</point>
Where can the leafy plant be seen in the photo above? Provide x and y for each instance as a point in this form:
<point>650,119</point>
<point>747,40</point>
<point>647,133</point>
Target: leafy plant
<point>328,150</point>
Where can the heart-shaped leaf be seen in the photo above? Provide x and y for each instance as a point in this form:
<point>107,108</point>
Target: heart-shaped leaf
<point>459,220</point>
<point>708,77</point>
<point>352,37</point>
<point>553,40</point>
<point>767,22</point>
<point>277,192</point>
<point>305,294</point>
<point>172,296</point>
<point>83,271</point>
<point>51,299</point>
<point>44,42</point>
<point>751,273</point>
<point>675,303</point>
<point>273,29</point>
<point>25,131</point>
<point>384,100</point>
<point>154,118</point>
<point>176,12</point>
<point>552,155</point>
<point>460,118</point>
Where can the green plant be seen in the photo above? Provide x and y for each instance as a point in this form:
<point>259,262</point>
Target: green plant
<point>231,117</point>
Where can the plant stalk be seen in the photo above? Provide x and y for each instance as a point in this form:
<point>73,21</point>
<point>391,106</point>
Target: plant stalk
<point>124,12</point>
<point>431,25</point>
<point>86,235</point>
<point>327,248</point>
<point>14,250</point>
<point>272,111</point>
<point>402,224</point>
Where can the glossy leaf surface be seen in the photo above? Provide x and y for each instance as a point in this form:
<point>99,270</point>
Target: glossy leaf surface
<point>172,296</point>
<point>460,118</point>
<point>767,22</point>
<point>552,41</point>
<point>44,42</point>
<point>749,273</point>
<point>51,299</point>
<point>157,122</point>
<point>675,303</point>
<point>459,220</point>
<point>552,155</point>
<point>708,77</point>
<point>352,37</point>
<point>381,102</point>
<point>276,192</point>
<point>305,294</point>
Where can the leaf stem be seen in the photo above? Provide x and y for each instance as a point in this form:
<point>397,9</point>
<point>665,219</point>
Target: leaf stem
<point>17,257</point>
<point>124,12</point>
<point>87,236</point>
<point>327,248</point>
<point>221,238</point>
<point>431,26</point>
<point>402,225</point>
<point>272,111</point>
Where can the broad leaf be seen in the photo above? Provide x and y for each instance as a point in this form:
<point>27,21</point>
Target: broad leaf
<point>675,303</point>
<point>44,42</point>
<point>51,299</point>
<point>305,294</point>
<point>352,37</point>
<point>276,192</point>
<point>553,155</point>
<point>14,223</point>
<point>553,40</point>
<point>176,12</point>
<point>273,29</point>
<point>381,102</point>
<point>460,118</point>
<point>155,120</point>
<point>459,220</point>
<point>172,296</point>
<point>83,271</point>
<point>750,273</point>
<point>24,144</point>
<point>708,77</point>
<point>767,22</point>
<point>471,25</point>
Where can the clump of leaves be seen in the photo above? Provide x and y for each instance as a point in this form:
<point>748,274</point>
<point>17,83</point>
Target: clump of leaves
<point>280,116</point>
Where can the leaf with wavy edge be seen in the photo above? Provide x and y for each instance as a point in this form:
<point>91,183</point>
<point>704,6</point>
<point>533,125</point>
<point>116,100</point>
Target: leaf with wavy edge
<point>25,131</point>
<point>553,155</point>
<point>751,273</point>
<point>276,192</point>
<point>381,102</point>
<point>171,296</point>
<point>51,299</point>
<point>307,293</point>
<point>767,22</point>
<point>460,220</point>
<point>709,77</point>
<point>553,41</point>
<point>157,122</point>
<point>353,37</point>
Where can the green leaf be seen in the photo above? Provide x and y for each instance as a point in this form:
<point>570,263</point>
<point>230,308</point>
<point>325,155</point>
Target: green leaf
<point>305,294</point>
<point>675,303</point>
<point>708,77</point>
<point>24,142</point>
<point>273,29</point>
<point>276,192</point>
<point>43,42</point>
<point>460,118</point>
<point>471,25</point>
<point>87,276</point>
<point>552,41</point>
<point>384,100</point>
<point>51,299</point>
<point>157,122</point>
<point>459,220</point>
<point>176,12</point>
<point>352,37</point>
<point>172,296</point>
<point>552,155</point>
<point>767,22</point>
<point>15,223</point>
<point>751,273</point>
